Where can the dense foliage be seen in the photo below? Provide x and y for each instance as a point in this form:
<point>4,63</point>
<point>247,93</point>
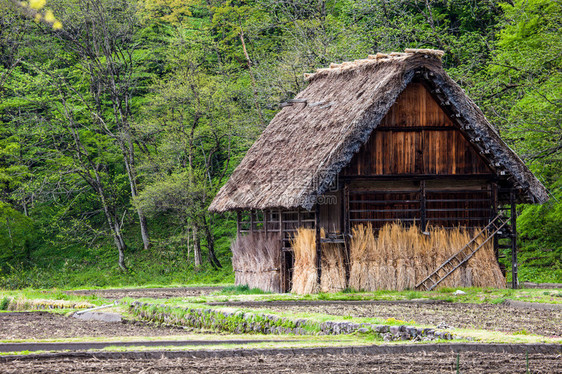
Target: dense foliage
<point>118,128</point>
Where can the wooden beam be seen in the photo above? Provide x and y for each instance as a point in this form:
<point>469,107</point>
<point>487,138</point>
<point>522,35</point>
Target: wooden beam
<point>415,129</point>
<point>417,177</point>
<point>265,221</point>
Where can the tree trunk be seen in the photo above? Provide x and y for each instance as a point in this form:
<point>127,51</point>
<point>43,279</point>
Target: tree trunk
<point>196,247</point>
<point>252,79</point>
<point>113,224</point>
<point>128,158</point>
<point>211,256</point>
<point>10,231</point>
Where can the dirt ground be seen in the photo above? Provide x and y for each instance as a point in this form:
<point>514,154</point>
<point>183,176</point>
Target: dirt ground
<point>155,293</point>
<point>424,362</point>
<point>477,316</point>
<point>43,325</point>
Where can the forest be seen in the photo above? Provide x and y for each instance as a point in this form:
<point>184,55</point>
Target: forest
<point>121,119</point>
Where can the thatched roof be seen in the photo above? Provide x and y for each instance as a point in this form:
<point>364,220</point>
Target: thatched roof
<point>313,138</point>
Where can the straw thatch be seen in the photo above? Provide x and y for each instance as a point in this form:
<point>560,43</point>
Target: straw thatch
<point>255,259</point>
<point>305,273</point>
<point>310,141</point>
<point>401,257</point>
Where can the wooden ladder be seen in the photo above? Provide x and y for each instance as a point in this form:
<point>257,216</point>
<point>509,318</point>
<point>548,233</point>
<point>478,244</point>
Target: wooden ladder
<point>462,256</point>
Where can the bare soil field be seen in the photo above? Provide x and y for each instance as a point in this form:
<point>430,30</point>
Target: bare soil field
<point>43,325</point>
<point>155,293</point>
<point>421,362</point>
<point>477,316</point>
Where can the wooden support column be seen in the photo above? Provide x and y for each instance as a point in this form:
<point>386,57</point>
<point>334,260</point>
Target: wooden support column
<point>318,244</point>
<point>423,216</point>
<point>344,229</point>
<point>345,205</point>
<point>494,197</point>
<point>514,265</point>
<point>283,266</point>
<point>238,223</point>
<point>265,221</point>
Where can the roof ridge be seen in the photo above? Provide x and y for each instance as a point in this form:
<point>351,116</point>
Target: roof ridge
<point>374,59</point>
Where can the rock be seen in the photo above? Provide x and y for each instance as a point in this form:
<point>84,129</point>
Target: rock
<point>93,316</point>
<point>428,332</point>
<point>394,330</point>
<point>405,336</point>
<point>412,331</point>
<point>363,330</point>
<point>443,325</point>
<point>381,329</point>
<point>459,292</point>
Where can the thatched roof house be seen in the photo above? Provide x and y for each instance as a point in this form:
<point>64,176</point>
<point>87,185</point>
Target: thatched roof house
<point>387,139</point>
<point>329,121</point>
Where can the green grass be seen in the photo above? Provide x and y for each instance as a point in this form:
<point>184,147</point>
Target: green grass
<point>70,265</point>
<point>150,272</point>
<point>4,303</point>
<point>473,295</point>
<point>241,290</point>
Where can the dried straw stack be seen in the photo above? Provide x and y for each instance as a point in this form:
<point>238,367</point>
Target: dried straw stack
<point>400,257</point>
<point>304,270</point>
<point>332,278</point>
<point>255,259</point>
<point>305,273</point>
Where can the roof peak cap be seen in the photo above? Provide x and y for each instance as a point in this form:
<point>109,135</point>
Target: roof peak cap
<point>373,60</point>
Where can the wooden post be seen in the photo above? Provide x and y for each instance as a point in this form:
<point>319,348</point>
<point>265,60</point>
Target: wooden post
<point>265,221</point>
<point>343,227</point>
<point>282,266</point>
<point>494,197</point>
<point>318,245</point>
<point>281,231</point>
<point>514,265</point>
<point>299,218</point>
<point>346,224</point>
<point>346,231</point>
<point>423,219</point>
<point>238,218</point>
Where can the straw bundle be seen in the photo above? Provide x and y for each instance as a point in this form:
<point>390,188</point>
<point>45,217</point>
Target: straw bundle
<point>333,268</point>
<point>485,271</point>
<point>400,257</point>
<point>362,243</point>
<point>304,271</point>
<point>255,259</point>
<point>305,274</point>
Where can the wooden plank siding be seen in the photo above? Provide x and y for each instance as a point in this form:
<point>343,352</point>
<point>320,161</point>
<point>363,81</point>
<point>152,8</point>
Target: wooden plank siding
<point>416,137</point>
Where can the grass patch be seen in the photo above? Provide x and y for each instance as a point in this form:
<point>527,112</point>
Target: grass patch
<point>4,303</point>
<point>241,290</point>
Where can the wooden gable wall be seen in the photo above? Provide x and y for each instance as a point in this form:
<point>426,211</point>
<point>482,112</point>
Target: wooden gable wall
<point>416,137</point>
